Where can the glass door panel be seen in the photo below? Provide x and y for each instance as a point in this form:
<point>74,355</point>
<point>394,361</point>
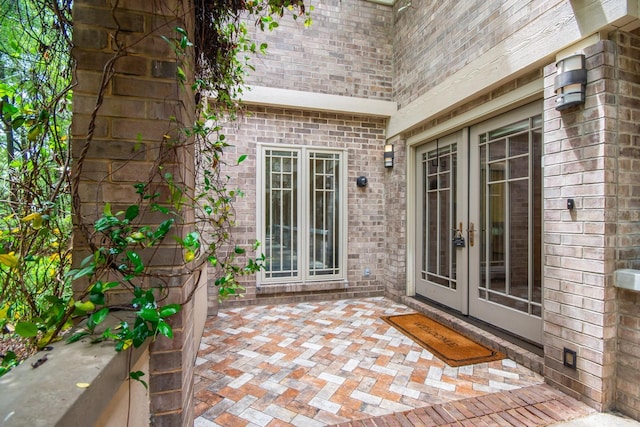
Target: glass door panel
<point>438,214</point>
<point>506,269</point>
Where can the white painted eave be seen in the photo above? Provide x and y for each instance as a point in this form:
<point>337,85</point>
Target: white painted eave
<point>287,98</point>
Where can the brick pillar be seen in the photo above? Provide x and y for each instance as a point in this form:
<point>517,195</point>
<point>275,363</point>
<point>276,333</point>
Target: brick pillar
<point>395,194</point>
<point>132,120</point>
<point>627,251</point>
<point>580,160</point>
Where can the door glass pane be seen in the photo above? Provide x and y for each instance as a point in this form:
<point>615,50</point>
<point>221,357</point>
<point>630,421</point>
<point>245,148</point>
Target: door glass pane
<point>483,232</point>
<point>511,216</point>
<point>439,258</point>
<point>519,238</point>
<point>497,149</point>
<point>497,239</point>
<point>519,167</point>
<point>445,233</point>
<point>281,213</point>
<point>324,220</point>
<point>536,254</point>
<point>432,231</point>
<point>519,144</point>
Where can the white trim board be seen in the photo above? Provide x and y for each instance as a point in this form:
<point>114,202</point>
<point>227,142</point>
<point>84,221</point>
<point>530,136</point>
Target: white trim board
<point>515,98</point>
<point>287,98</point>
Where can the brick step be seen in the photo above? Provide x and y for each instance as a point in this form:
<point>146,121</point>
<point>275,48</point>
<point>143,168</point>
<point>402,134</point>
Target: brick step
<point>537,405</point>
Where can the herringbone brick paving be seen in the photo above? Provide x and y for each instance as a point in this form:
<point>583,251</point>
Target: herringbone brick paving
<point>337,362</point>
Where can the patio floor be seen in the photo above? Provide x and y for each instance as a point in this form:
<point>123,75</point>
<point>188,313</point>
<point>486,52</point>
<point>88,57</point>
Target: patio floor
<point>337,362</point>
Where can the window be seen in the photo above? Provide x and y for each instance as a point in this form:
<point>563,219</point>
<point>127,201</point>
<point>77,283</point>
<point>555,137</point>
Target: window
<point>301,219</point>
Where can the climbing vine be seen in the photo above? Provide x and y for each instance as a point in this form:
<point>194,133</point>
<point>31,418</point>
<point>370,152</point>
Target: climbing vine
<point>42,189</point>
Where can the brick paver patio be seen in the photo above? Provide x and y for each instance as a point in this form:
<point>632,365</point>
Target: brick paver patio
<point>337,362</point>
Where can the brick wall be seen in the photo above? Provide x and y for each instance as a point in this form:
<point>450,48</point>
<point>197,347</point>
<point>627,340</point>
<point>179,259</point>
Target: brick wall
<point>627,243</point>
<point>395,246</point>
<point>347,51</point>
<point>426,50</point>
<point>590,156</point>
<point>134,116</point>
<point>363,139</point>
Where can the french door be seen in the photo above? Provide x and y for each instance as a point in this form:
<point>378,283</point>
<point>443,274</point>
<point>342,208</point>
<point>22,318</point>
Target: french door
<point>479,222</point>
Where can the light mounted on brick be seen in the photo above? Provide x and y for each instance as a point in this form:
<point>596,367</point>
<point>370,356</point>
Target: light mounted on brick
<point>570,82</point>
<point>388,155</point>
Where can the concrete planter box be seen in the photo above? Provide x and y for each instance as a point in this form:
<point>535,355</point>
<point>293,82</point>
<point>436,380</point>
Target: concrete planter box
<point>49,394</point>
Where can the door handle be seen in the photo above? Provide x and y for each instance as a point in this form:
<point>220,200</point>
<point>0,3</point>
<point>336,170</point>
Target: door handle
<point>471,231</point>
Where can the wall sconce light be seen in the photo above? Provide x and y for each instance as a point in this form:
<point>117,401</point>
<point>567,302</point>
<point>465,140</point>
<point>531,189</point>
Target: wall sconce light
<point>388,155</point>
<point>570,83</point>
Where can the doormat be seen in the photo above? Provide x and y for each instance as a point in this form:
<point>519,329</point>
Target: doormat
<point>448,345</point>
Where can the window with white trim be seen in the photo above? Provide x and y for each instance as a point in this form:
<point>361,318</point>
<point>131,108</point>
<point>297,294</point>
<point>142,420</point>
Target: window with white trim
<point>301,213</point>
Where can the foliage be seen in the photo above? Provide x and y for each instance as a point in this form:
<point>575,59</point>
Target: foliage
<point>35,211</point>
<point>35,226</point>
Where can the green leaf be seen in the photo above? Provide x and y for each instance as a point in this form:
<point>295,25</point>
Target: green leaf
<point>17,122</point>
<point>96,298</point>
<point>9,260</point>
<point>77,337</point>
<point>99,316</point>
<point>85,306</point>
<point>242,158</point>
<point>136,376</point>
<point>8,109</point>
<point>163,229</point>
<point>169,310</point>
<point>149,314</point>
<point>140,333</point>
<point>132,212</point>
<point>165,329</point>
<point>87,271</point>
<point>136,261</point>
<point>26,329</point>
<point>109,285</point>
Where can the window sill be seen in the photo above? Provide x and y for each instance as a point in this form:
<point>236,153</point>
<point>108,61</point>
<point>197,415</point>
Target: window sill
<point>279,288</point>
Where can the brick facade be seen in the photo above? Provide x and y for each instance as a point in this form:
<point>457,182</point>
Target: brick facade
<point>133,118</point>
<point>362,138</point>
<point>627,214</point>
<point>434,39</point>
<point>360,49</point>
<point>347,51</point>
<point>579,299</point>
<point>591,156</point>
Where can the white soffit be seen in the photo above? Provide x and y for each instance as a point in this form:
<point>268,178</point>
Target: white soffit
<point>287,98</point>
<point>533,45</point>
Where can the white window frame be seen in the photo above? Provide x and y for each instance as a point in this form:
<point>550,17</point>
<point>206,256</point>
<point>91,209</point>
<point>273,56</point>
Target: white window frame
<point>303,210</point>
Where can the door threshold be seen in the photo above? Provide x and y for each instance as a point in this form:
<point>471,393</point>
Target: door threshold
<point>523,352</point>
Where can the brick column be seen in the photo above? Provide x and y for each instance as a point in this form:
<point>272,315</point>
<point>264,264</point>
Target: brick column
<point>132,120</point>
<point>580,160</point>
<point>395,194</point>
<point>627,243</point>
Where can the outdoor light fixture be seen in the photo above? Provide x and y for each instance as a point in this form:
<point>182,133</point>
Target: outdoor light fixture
<point>388,155</point>
<point>569,358</point>
<point>570,82</point>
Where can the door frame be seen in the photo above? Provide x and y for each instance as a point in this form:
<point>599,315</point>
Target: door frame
<point>484,113</point>
<point>520,96</point>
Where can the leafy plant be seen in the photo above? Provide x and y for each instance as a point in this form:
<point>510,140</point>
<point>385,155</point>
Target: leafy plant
<point>39,192</point>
